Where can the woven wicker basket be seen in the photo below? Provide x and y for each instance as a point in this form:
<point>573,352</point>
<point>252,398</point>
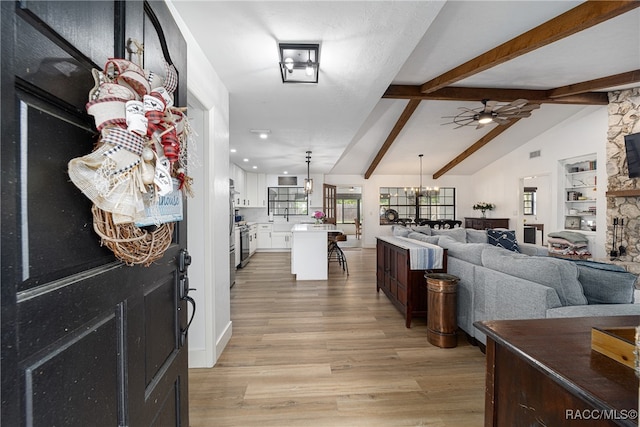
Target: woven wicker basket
<point>131,244</point>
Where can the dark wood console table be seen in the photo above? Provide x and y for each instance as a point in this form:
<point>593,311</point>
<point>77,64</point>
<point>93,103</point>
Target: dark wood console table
<point>405,288</point>
<point>484,223</point>
<point>543,372</point>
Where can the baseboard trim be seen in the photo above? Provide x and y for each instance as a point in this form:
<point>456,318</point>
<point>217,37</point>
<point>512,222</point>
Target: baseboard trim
<point>224,340</point>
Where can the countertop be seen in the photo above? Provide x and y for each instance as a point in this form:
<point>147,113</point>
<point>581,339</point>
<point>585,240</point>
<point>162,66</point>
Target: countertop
<point>313,227</point>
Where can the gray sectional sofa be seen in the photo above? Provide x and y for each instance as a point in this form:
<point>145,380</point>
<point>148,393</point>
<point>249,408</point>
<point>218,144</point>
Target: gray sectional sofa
<point>496,283</point>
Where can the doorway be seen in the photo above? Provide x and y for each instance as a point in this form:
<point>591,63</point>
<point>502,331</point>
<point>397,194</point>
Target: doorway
<point>349,214</point>
<point>534,203</point>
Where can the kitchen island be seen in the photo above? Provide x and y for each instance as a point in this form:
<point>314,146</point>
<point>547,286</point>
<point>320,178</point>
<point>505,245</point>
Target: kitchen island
<point>309,250</point>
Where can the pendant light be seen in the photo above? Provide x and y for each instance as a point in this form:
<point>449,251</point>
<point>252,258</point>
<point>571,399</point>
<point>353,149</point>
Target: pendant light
<point>308,182</point>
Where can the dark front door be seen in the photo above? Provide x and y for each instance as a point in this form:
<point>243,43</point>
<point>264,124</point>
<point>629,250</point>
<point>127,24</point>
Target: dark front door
<point>86,340</point>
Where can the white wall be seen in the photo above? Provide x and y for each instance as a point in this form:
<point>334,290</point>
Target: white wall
<point>208,226</point>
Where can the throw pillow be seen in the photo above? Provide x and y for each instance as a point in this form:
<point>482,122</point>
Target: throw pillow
<point>476,236</point>
<point>503,239</point>
<point>457,234</point>
<point>605,285</point>
<point>423,238</point>
<point>398,230</point>
<point>424,229</point>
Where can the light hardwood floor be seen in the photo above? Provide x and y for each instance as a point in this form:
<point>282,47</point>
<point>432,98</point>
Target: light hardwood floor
<point>331,353</point>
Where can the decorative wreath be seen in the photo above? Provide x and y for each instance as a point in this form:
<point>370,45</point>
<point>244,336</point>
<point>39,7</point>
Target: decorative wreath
<point>138,163</point>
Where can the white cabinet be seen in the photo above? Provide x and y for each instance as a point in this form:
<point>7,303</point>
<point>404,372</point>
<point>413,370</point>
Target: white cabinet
<point>580,193</point>
<point>269,239</point>
<point>253,238</point>
<point>264,236</point>
<point>281,239</point>
<point>256,190</point>
<point>239,180</point>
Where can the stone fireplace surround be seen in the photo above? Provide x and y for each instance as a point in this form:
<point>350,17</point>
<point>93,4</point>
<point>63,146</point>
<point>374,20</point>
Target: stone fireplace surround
<point>623,193</point>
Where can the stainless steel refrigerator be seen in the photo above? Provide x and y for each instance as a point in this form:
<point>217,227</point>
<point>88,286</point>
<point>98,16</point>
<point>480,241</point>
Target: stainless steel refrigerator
<point>232,240</point>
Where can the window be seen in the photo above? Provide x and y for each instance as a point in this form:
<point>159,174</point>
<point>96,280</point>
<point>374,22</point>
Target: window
<point>402,203</point>
<point>287,201</point>
<point>529,201</point>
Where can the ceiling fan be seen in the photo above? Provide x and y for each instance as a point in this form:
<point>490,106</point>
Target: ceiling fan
<point>492,112</point>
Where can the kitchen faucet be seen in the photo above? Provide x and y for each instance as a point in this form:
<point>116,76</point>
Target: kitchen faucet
<point>286,213</point>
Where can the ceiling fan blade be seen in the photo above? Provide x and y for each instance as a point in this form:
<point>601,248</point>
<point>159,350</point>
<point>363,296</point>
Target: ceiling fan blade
<point>501,120</point>
<point>490,105</point>
<point>518,103</point>
<point>530,107</point>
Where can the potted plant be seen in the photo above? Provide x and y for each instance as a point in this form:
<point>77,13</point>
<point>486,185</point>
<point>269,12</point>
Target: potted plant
<point>483,207</point>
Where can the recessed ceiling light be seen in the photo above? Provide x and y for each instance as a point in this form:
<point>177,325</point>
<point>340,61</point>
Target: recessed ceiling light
<point>233,150</point>
<point>255,167</point>
<point>245,160</point>
<point>285,172</point>
<point>262,133</point>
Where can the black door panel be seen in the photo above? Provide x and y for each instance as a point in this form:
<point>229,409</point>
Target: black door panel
<point>86,340</point>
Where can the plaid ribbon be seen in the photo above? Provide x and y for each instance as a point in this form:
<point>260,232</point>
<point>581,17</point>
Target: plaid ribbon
<point>154,107</point>
<point>124,139</point>
<point>171,78</point>
<point>171,145</point>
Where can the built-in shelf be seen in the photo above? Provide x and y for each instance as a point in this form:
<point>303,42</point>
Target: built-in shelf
<point>623,193</point>
<point>580,186</point>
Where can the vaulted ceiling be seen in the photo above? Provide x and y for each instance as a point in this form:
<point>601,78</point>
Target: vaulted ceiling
<point>390,71</point>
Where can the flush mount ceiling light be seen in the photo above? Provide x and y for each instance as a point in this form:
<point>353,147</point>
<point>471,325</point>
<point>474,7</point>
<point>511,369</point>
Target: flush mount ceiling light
<point>299,62</point>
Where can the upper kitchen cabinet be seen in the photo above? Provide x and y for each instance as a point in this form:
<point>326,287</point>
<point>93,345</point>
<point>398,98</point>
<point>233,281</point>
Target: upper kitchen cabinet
<point>256,190</point>
<point>239,179</point>
<point>251,188</point>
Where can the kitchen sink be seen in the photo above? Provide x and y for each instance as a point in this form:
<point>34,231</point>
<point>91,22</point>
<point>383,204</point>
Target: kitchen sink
<point>283,226</point>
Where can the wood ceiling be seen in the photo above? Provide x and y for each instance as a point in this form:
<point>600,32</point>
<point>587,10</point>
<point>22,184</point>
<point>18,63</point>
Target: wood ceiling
<point>584,16</point>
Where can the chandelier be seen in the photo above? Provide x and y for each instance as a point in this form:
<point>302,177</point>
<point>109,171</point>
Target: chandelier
<point>426,191</point>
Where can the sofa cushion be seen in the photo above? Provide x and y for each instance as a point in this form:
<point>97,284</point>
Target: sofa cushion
<point>503,239</point>
<point>603,284</point>
<point>399,230</point>
<point>476,236</point>
<point>470,252</point>
<point>457,234</point>
<point>552,272</point>
<point>424,238</point>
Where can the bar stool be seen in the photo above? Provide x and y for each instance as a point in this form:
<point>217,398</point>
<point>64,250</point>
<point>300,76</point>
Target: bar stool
<point>335,252</point>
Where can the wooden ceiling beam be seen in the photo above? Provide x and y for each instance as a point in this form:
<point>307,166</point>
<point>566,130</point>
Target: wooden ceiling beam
<point>402,121</point>
<point>579,18</point>
<point>475,147</point>
<point>630,77</point>
<point>455,93</point>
